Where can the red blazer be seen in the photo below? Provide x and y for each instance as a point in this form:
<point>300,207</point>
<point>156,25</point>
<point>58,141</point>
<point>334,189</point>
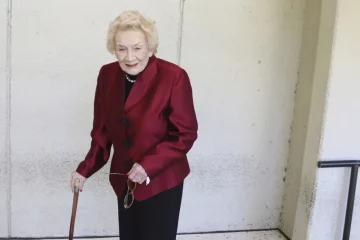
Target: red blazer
<point>155,127</point>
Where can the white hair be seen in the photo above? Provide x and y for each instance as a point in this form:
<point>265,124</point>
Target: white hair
<point>133,19</point>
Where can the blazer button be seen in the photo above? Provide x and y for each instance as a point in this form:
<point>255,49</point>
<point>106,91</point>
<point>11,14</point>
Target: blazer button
<point>128,143</point>
<point>125,122</point>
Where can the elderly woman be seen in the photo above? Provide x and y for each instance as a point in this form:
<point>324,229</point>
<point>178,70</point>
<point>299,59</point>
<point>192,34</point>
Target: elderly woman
<point>144,109</point>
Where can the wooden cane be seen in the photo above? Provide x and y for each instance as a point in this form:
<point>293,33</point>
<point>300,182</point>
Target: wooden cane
<point>74,207</point>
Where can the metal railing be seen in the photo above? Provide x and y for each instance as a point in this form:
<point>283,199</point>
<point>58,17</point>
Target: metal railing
<point>354,164</point>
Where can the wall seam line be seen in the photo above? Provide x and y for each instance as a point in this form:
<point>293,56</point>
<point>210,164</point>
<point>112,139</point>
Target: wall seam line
<point>180,33</point>
<point>8,113</point>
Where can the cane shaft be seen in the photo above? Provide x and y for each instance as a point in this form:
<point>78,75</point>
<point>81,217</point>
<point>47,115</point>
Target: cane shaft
<point>74,208</point>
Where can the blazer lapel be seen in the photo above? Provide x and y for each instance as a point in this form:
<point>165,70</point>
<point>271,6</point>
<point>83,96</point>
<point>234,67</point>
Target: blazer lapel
<point>142,83</point>
<point>117,93</point>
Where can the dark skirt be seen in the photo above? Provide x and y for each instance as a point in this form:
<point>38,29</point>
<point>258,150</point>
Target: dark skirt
<point>155,218</point>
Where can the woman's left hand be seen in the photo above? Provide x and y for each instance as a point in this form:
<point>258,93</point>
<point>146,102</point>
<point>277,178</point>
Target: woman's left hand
<point>137,174</point>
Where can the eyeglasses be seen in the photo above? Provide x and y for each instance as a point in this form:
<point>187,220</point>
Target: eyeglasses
<point>129,197</point>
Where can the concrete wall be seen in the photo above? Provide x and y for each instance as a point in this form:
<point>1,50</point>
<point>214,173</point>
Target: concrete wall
<point>58,48</point>
<point>243,64</point>
<point>332,130</point>
<point>301,114</point>
<point>3,122</point>
<point>308,185</point>
<point>341,129</point>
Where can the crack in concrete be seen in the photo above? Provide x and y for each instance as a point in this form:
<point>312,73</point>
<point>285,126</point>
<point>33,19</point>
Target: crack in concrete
<point>8,113</point>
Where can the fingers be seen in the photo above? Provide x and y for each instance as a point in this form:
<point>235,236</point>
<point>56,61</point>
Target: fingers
<point>81,184</point>
<point>137,174</point>
<point>139,178</point>
<point>142,180</point>
<point>72,183</point>
<point>81,179</point>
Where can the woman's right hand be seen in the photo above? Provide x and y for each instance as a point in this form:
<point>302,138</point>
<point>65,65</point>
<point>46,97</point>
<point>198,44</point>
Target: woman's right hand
<point>74,176</point>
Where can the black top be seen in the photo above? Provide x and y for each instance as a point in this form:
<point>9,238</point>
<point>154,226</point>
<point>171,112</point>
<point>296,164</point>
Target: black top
<point>128,84</point>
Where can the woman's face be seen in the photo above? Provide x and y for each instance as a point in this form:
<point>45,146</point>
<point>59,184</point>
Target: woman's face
<point>132,51</point>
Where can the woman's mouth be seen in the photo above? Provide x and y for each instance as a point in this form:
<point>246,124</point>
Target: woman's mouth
<point>131,65</point>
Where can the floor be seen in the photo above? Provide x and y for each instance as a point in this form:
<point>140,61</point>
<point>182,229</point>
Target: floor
<point>266,235</point>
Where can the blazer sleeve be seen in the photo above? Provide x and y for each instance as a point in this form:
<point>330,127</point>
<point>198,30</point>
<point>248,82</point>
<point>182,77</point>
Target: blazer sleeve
<point>99,152</point>
<point>182,130</point>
